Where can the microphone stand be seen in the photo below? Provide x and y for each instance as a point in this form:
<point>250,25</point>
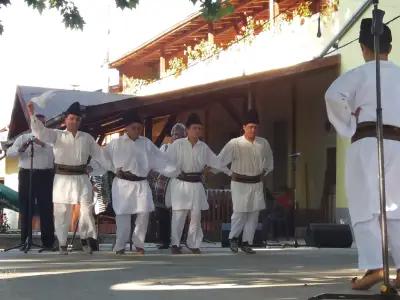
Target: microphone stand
<point>28,244</point>
<point>387,291</point>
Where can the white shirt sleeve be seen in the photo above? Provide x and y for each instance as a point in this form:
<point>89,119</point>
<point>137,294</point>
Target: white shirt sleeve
<point>214,162</point>
<point>269,159</point>
<point>13,150</point>
<point>226,156</point>
<point>44,134</point>
<point>339,99</point>
<point>160,161</point>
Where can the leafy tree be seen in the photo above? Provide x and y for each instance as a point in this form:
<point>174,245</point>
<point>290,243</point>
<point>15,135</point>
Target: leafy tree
<point>212,9</point>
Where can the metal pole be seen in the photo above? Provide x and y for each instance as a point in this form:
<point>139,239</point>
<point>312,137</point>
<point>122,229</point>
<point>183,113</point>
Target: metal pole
<point>377,29</point>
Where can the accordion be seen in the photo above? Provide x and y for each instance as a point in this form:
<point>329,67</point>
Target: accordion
<point>102,195</point>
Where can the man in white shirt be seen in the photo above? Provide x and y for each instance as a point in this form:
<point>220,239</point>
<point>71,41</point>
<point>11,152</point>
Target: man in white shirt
<point>72,149</point>
<point>251,159</point>
<point>132,157</point>
<point>351,107</point>
<point>42,184</point>
<point>163,213</point>
<point>187,193</point>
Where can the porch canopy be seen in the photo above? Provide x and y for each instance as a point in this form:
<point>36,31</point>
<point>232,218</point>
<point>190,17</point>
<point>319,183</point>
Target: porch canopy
<point>103,111</point>
<point>106,118</point>
<point>52,103</point>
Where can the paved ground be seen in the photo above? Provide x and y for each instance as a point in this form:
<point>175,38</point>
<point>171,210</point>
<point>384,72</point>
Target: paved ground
<point>217,274</point>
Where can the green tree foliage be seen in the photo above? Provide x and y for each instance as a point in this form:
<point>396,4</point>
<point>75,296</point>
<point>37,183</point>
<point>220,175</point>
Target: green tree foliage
<point>212,9</point>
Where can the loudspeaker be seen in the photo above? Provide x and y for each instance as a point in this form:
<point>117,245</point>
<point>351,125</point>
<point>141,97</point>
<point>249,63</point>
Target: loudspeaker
<point>226,228</point>
<point>329,235</point>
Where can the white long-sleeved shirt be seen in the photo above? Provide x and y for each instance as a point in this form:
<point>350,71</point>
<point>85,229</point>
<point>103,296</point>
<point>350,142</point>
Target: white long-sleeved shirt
<point>73,151</point>
<point>189,159</point>
<point>43,157</point>
<point>250,159</point>
<point>357,88</point>
<point>354,89</point>
<point>138,157</point>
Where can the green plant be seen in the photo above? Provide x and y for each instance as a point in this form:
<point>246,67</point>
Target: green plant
<point>4,226</point>
<point>303,9</point>
<point>176,65</point>
<point>132,85</point>
<point>202,50</point>
<point>329,7</point>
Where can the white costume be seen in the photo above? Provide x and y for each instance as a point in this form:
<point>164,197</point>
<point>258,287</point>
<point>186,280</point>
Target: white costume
<point>250,159</point>
<point>43,157</point>
<point>184,196</point>
<point>133,197</point>
<point>350,91</point>
<point>70,189</point>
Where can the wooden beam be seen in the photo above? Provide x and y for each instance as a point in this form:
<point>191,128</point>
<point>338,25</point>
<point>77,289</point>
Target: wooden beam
<point>167,128</point>
<point>211,30</point>
<point>162,63</point>
<point>272,13</point>
<point>148,128</point>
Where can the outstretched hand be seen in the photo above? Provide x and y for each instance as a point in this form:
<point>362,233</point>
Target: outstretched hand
<point>31,108</point>
<point>357,112</point>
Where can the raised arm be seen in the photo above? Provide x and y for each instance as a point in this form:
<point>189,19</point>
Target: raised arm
<point>44,134</point>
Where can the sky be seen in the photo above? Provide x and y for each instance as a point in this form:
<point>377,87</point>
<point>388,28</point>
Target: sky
<point>38,50</point>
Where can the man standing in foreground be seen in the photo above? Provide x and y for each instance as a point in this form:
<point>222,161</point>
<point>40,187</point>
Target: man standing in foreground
<point>187,193</point>
<point>72,149</point>
<point>251,159</point>
<point>132,157</point>
<point>42,184</point>
<point>351,107</point>
<point>163,213</point>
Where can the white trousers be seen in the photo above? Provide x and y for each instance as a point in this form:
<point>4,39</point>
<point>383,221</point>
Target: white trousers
<point>246,222</point>
<point>123,223</point>
<point>195,233</point>
<point>62,221</point>
<point>368,239</point>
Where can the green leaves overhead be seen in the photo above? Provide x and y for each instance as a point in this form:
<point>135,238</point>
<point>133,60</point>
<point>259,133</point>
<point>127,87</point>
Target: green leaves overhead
<point>212,9</point>
<point>126,3</point>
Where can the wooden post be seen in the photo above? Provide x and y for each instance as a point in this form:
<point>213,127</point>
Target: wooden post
<point>148,128</point>
<point>251,103</point>
<point>163,64</point>
<point>210,35</point>
<point>272,13</point>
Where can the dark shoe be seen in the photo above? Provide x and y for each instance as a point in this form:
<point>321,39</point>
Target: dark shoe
<point>247,249</point>
<point>176,250</point>
<point>120,252</point>
<point>139,251</point>
<point>163,246</point>
<point>22,248</point>
<point>86,247</point>
<point>93,243</point>
<point>195,250</point>
<point>234,245</point>
<point>63,250</point>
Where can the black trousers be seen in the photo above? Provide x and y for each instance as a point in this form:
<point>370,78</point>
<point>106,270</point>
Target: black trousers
<point>42,194</point>
<point>164,225</point>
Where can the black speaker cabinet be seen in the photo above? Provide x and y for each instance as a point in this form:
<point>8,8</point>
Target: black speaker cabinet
<point>226,228</point>
<point>329,235</point>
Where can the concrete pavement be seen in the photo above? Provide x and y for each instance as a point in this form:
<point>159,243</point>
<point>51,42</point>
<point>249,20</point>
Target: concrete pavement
<point>216,274</point>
